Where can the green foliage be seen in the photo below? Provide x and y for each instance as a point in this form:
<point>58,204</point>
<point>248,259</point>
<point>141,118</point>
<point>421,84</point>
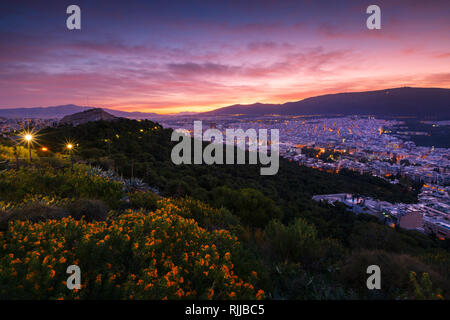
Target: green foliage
<point>395,274</point>
<point>376,236</point>
<point>291,281</point>
<point>250,205</point>
<point>33,211</point>
<point>423,289</point>
<point>16,185</point>
<point>11,152</point>
<point>296,242</point>
<point>143,200</point>
<point>208,217</point>
<point>298,248</point>
<point>88,209</point>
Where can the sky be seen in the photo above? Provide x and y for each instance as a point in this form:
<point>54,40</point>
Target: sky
<point>193,56</point>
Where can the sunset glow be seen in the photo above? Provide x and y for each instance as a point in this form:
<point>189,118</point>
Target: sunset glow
<point>162,58</point>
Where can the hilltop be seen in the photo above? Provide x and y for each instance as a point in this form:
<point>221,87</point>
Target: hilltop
<point>87,116</point>
<point>403,102</point>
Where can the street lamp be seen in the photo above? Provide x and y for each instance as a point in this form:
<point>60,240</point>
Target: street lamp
<point>28,138</point>
<point>69,147</point>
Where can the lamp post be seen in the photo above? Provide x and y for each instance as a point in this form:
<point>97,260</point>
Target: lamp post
<point>69,147</point>
<point>28,138</point>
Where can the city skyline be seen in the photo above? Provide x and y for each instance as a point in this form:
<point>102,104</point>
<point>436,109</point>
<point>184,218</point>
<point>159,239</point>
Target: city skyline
<point>196,57</point>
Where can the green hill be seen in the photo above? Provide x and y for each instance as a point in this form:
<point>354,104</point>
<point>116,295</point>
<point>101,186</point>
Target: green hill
<point>299,248</point>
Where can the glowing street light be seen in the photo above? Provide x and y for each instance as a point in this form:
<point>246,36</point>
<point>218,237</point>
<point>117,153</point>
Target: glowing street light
<point>69,146</point>
<point>28,137</point>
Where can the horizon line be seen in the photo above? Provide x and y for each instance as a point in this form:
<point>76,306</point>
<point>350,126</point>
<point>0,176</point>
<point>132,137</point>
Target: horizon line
<point>229,105</point>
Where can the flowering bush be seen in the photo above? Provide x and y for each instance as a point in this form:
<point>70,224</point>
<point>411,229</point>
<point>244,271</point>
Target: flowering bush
<point>206,216</point>
<point>159,255</point>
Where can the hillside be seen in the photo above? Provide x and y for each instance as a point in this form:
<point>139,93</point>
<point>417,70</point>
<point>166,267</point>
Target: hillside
<point>406,102</point>
<point>87,116</point>
<point>268,230</point>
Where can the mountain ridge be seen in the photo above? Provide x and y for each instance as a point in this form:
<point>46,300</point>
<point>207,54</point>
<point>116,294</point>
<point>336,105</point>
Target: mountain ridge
<point>66,110</point>
<point>404,101</point>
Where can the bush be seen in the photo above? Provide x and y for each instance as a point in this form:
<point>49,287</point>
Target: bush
<point>293,282</point>
<point>143,200</point>
<point>206,216</point>
<point>88,209</point>
<point>395,274</point>
<point>296,242</point>
<point>423,289</point>
<point>34,211</point>
<point>158,255</point>
<point>16,185</point>
<point>250,205</point>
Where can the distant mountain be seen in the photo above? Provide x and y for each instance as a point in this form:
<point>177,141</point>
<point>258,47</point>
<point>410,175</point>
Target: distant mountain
<point>42,112</point>
<point>427,103</point>
<point>64,110</point>
<point>417,102</point>
<point>87,116</point>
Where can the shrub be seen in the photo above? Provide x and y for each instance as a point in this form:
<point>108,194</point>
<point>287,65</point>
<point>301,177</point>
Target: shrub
<point>16,185</point>
<point>143,200</point>
<point>250,205</point>
<point>395,274</point>
<point>293,282</point>
<point>159,255</point>
<point>34,211</point>
<point>296,242</point>
<point>423,289</point>
<point>206,216</point>
<point>88,209</point>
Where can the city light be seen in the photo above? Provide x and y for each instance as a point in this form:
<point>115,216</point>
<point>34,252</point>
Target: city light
<point>28,137</point>
<point>70,146</point>
<point>44,149</point>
